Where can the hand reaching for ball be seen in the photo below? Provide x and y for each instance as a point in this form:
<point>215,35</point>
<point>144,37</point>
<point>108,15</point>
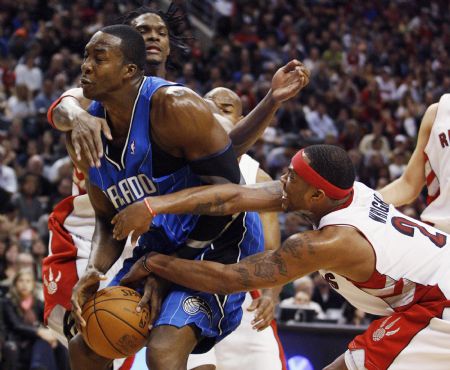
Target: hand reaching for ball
<point>82,291</point>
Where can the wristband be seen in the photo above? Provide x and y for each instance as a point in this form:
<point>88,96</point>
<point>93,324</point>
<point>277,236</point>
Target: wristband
<point>144,265</point>
<point>150,209</point>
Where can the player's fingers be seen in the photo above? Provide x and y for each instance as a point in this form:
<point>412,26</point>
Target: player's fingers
<point>115,219</point>
<point>76,314</point>
<point>264,311</point>
<point>118,231</point>
<point>106,130</point>
<point>145,299</point>
<point>261,325</point>
<point>98,147</point>
<point>134,237</point>
<point>87,153</point>
<point>77,148</point>
<point>291,65</point>
<point>89,145</point>
<point>155,305</point>
<point>76,323</point>
<point>254,305</point>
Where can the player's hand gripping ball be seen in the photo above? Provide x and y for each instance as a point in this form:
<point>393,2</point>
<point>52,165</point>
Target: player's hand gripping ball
<point>113,327</point>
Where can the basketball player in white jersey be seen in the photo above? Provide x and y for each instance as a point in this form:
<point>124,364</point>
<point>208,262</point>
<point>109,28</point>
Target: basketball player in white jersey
<point>429,165</point>
<point>380,260</point>
<point>258,327</point>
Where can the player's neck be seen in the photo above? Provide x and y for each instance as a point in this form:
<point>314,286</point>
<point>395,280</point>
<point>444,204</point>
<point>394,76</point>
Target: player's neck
<point>156,70</point>
<point>119,106</point>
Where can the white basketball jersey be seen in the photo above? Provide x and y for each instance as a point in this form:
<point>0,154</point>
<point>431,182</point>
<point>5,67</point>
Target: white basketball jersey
<point>437,169</point>
<point>412,258</point>
<point>249,169</point>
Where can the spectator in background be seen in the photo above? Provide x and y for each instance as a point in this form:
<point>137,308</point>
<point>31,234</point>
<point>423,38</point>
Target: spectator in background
<point>45,97</point>
<point>35,166</point>
<point>20,104</point>
<point>8,178</point>
<point>386,85</point>
<point>321,124</point>
<point>29,344</point>
<point>366,143</point>
<point>28,74</point>
<point>28,205</point>
<point>397,165</point>
<point>303,291</point>
<point>39,251</point>
<point>10,264</point>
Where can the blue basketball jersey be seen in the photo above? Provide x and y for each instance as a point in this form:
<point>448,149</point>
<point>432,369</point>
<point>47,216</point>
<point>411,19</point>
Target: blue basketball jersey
<point>131,178</point>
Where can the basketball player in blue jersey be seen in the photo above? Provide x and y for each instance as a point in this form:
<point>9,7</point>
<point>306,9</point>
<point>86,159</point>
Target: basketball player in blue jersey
<point>162,39</point>
<point>148,118</point>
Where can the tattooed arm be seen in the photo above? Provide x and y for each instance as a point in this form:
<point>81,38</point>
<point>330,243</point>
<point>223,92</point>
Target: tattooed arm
<point>337,248</point>
<point>205,200</point>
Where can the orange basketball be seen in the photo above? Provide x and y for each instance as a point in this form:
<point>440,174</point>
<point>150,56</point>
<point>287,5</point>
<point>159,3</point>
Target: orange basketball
<point>113,327</point>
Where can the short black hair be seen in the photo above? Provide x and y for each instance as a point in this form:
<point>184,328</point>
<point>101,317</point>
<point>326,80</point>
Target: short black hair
<point>132,45</point>
<point>332,163</point>
<point>176,22</point>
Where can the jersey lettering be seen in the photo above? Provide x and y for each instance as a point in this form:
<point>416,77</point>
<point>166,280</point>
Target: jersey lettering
<point>407,227</point>
<point>130,189</point>
<point>379,210</point>
<point>331,279</point>
<point>443,139</point>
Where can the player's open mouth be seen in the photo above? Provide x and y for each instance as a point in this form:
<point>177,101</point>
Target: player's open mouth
<point>84,81</point>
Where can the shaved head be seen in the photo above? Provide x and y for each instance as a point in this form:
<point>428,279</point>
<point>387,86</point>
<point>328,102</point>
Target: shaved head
<point>227,102</point>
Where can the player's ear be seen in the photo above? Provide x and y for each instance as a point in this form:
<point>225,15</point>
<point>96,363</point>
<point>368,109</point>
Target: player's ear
<point>131,70</point>
<point>318,195</point>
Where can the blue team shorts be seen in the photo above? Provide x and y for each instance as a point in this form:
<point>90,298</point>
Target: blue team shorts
<point>214,315</point>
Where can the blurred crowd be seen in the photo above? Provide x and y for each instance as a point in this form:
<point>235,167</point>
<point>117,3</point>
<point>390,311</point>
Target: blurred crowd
<point>375,67</point>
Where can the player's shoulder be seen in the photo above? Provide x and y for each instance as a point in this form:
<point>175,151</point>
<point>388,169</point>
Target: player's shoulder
<point>175,94</point>
<point>179,103</point>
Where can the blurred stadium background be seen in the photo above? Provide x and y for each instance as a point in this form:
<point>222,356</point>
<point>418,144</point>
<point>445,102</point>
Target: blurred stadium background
<point>375,67</point>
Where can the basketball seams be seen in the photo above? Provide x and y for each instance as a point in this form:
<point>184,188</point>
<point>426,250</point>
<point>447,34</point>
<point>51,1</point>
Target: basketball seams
<point>103,332</point>
<point>119,318</point>
<point>99,306</point>
<point>109,299</point>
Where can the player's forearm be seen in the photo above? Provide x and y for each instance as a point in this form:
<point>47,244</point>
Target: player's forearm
<point>218,200</point>
<point>251,127</point>
<point>213,277</point>
<point>105,249</point>
<point>400,192</point>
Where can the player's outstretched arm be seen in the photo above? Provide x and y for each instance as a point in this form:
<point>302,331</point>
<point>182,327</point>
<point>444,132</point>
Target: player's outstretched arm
<point>407,187</point>
<point>69,113</point>
<point>215,200</point>
<point>286,83</point>
<point>336,248</point>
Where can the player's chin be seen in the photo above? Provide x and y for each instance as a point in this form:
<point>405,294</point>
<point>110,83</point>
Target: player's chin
<point>154,59</point>
<point>88,91</point>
